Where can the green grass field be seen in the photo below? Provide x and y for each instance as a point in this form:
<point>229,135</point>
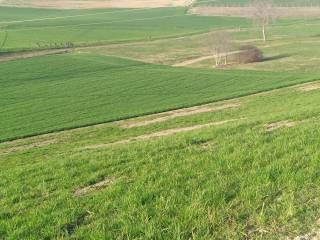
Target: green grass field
<point>243,166</point>
<point>56,28</point>
<point>293,45</point>
<point>234,181</point>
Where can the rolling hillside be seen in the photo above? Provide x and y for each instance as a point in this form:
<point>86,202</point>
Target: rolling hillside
<point>118,124</point>
<point>61,92</point>
<point>253,173</point>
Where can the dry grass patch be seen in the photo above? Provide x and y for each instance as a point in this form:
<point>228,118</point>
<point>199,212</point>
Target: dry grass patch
<point>27,146</point>
<point>157,118</point>
<point>24,55</point>
<point>286,123</point>
<point>91,188</point>
<point>314,234</point>
<point>207,146</point>
<point>164,133</point>
<point>310,87</point>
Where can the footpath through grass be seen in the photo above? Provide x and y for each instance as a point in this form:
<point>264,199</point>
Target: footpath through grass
<point>234,181</point>
<point>53,93</point>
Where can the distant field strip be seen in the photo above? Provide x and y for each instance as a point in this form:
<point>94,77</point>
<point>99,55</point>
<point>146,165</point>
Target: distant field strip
<point>96,4</point>
<point>97,23</point>
<point>70,16</point>
<point>237,3</point>
<point>52,93</point>
<point>43,28</point>
<point>282,12</point>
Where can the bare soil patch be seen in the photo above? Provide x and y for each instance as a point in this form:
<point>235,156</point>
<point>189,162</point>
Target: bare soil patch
<point>28,146</point>
<point>282,12</point>
<point>164,133</point>
<point>76,4</point>
<point>88,189</point>
<point>207,146</point>
<point>157,118</point>
<point>310,87</point>
<point>286,123</point>
<point>314,234</point>
<point>200,59</point>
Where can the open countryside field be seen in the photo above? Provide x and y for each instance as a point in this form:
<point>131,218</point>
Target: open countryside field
<point>22,29</point>
<point>87,89</point>
<point>293,45</point>
<point>126,121</point>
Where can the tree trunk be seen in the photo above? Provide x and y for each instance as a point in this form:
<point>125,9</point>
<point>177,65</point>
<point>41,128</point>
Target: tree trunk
<point>264,33</point>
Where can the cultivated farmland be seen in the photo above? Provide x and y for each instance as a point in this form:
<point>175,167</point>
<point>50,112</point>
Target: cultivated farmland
<point>43,28</point>
<point>141,121</point>
<point>86,89</point>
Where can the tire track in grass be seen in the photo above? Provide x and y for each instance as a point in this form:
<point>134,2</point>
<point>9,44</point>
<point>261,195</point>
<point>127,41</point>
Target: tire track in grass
<point>162,117</point>
<point>164,133</point>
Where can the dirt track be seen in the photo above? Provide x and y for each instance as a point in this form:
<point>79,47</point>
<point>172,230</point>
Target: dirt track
<point>162,117</point>
<point>77,4</point>
<point>30,54</point>
<point>310,87</point>
<point>163,133</point>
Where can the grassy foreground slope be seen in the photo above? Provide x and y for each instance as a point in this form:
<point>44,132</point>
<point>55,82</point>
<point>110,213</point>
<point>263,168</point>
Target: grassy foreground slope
<point>233,181</point>
<point>59,92</point>
<point>35,28</point>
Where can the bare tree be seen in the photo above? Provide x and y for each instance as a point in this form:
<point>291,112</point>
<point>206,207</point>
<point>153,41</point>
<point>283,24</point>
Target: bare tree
<point>263,13</point>
<point>5,37</point>
<point>220,44</point>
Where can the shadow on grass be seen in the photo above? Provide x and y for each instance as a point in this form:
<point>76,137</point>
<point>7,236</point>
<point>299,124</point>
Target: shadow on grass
<point>275,57</point>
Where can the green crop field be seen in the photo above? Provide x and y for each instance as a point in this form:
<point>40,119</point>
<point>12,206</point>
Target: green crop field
<point>36,28</point>
<point>133,132</point>
<point>58,92</point>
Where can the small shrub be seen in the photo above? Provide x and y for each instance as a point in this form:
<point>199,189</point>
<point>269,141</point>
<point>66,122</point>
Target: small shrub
<point>250,54</point>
